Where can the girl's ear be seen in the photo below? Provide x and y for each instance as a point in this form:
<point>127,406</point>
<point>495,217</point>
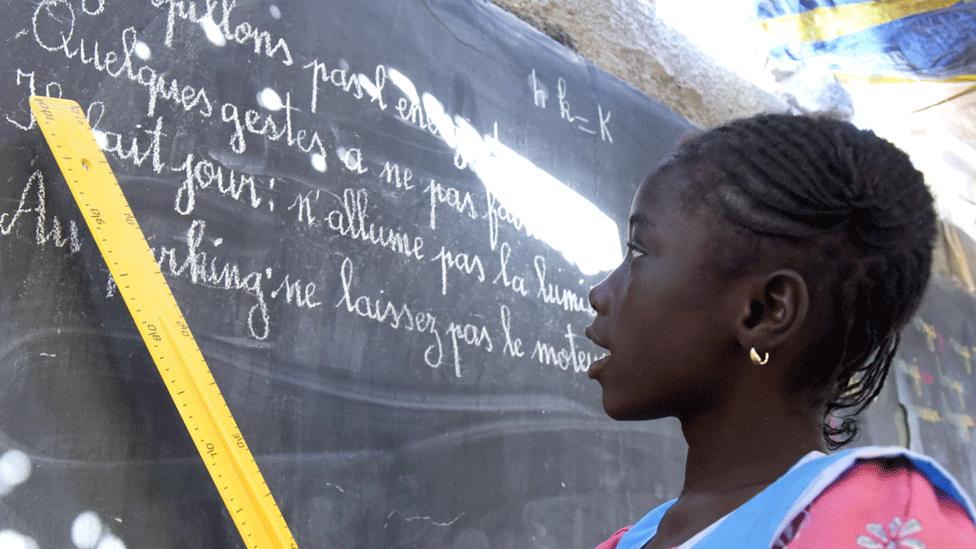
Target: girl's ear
<point>774,311</point>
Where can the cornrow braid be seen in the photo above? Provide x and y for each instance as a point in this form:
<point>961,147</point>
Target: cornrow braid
<point>861,215</point>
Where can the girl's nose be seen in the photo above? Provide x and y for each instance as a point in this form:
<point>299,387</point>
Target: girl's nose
<point>600,297</point>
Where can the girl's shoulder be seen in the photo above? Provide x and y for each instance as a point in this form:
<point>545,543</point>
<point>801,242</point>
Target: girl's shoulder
<point>612,541</point>
<point>880,502</point>
<point>869,497</point>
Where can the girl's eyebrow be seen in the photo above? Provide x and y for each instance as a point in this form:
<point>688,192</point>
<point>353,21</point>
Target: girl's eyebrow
<point>639,219</point>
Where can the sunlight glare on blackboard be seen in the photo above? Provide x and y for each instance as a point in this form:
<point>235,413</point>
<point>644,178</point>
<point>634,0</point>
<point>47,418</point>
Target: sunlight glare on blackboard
<point>318,162</point>
<point>212,31</point>
<point>548,208</point>
<point>371,90</point>
<point>101,139</point>
<point>12,539</point>
<point>269,99</point>
<point>86,530</point>
<point>15,468</point>
<point>405,84</point>
<point>142,50</point>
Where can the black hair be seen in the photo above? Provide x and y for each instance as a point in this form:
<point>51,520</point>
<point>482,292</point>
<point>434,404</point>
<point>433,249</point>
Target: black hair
<point>855,211</point>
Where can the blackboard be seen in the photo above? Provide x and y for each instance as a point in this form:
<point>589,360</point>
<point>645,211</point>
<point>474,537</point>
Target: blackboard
<point>934,379</point>
<point>381,220</point>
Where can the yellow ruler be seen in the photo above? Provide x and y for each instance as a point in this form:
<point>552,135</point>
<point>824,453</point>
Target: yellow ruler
<point>158,318</point>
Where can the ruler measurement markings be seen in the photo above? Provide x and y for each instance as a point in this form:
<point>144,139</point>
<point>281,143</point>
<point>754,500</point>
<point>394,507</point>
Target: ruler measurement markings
<point>227,452</point>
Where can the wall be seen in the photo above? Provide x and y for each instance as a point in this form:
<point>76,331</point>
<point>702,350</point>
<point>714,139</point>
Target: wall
<point>624,38</point>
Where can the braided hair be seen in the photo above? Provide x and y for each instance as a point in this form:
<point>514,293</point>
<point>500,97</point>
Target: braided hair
<point>858,215</point>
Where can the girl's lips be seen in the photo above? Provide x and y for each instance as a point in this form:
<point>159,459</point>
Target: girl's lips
<point>591,335</point>
<point>594,370</point>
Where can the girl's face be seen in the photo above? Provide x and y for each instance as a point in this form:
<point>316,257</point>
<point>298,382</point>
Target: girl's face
<point>664,315</point>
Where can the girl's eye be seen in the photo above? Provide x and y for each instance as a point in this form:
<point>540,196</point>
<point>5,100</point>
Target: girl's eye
<point>633,252</point>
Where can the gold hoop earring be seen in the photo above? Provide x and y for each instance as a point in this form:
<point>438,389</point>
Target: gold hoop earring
<point>754,357</point>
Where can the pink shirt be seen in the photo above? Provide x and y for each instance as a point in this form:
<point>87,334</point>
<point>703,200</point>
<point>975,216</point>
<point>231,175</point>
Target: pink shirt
<point>872,506</point>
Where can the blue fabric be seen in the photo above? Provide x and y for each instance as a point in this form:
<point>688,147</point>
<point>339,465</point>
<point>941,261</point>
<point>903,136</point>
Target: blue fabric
<point>644,529</point>
<point>755,523</point>
<point>936,44</point>
<point>775,8</point>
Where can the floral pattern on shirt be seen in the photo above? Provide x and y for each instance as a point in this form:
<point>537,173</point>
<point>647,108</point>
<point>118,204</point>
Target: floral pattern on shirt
<point>895,538</point>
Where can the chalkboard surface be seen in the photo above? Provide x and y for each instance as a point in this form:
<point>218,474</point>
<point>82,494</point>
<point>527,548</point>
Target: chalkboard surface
<point>935,382</point>
<point>381,220</point>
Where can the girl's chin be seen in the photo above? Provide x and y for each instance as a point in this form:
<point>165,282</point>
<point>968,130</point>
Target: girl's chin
<point>628,411</point>
<point>616,410</point>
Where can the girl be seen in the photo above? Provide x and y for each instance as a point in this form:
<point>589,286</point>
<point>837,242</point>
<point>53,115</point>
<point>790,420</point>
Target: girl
<point>771,265</point>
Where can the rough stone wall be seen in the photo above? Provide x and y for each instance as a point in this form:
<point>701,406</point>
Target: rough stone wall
<point>624,38</point>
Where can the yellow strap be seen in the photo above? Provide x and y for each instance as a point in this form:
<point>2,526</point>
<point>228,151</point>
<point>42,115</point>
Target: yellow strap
<point>890,79</point>
<point>953,97</point>
<point>829,22</point>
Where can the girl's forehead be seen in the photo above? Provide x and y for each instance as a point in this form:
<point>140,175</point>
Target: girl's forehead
<point>659,193</point>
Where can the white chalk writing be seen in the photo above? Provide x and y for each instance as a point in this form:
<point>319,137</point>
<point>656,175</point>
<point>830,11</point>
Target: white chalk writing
<point>352,221</point>
<point>461,201</point>
<point>552,293</point>
<point>209,270</point>
<point>563,357</point>
<point>44,230</point>
<point>54,32</point>
<point>244,33</point>
<point>515,283</point>
<point>203,175</point>
<point>399,178</point>
<point>469,264</point>
<point>540,95</point>
<point>265,125</point>
<point>354,84</point>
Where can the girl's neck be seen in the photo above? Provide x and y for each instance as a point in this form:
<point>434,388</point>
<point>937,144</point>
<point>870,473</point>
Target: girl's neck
<point>732,450</point>
<point>732,456</point>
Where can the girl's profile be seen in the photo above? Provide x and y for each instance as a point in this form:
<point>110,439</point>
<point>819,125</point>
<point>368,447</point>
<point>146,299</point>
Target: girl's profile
<point>771,264</point>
